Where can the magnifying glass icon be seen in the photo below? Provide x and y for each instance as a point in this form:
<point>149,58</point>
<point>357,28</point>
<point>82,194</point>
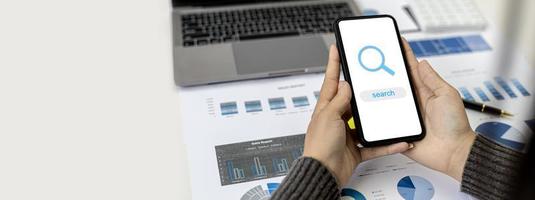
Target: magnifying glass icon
<point>378,67</point>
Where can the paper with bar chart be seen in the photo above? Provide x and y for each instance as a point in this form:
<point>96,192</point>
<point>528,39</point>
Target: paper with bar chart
<point>477,75</point>
<point>260,159</point>
<point>242,137</point>
<point>268,104</point>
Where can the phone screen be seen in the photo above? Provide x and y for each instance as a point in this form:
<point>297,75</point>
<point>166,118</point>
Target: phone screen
<point>382,91</point>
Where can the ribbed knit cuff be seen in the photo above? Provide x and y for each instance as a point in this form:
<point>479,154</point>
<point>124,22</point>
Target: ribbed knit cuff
<point>491,171</point>
<point>308,179</point>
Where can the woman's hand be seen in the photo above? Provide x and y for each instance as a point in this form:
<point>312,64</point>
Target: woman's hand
<point>449,137</point>
<point>328,139</point>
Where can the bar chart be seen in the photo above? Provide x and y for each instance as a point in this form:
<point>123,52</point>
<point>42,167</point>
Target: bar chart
<point>253,106</point>
<point>466,94</point>
<point>498,89</point>
<point>281,165</point>
<point>230,108</point>
<point>449,45</point>
<point>259,159</point>
<point>300,101</point>
<point>277,103</point>
<point>520,87</point>
<point>481,94</point>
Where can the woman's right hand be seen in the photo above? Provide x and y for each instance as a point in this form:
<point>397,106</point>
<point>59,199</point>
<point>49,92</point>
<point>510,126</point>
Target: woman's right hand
<point>449,137</point>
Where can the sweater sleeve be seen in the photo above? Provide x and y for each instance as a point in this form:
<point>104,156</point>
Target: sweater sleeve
<point>308,179</point>
<point>491,171</point>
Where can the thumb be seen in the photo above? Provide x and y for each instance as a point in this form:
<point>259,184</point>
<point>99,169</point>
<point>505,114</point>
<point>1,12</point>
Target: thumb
<point>430,78</point>
<point>374,152</point>
<point>340,103</point>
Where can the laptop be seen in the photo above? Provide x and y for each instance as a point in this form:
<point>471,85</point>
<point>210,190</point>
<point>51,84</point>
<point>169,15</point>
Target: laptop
<point>228,40</point>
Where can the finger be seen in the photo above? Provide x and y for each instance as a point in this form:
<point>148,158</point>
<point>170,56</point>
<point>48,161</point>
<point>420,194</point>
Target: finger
<point>413,62</point>
<point>340,102</point>
<point>432,80</point>
<point>374,152</point>
<point>413,66</point>
<point>330,82</point>
<point>348,114</point>
<point>422,91</point>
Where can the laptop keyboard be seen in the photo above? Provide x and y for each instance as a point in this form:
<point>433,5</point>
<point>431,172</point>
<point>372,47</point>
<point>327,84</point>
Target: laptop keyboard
<point>238,25</point>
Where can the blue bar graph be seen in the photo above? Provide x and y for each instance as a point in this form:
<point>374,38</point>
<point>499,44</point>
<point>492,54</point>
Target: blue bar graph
<point>481,94</point>
<point>520,87</point>
<point>466,94</point>
<point>449,45</point>
<point>230,170</point>
<point>476,43</point>
<point>297,153</point>
<point>229,108</point>
<point>280,165</point>
<point>300,101</point>
<point>253,106</point>
<point>505,87</point>
<point>416,48</point>
<point>234,173</point>
<point>258,159</point>
<point>455,45</point>
<point>276,103</point>
<point>493,90</point>
<point>257,168</point>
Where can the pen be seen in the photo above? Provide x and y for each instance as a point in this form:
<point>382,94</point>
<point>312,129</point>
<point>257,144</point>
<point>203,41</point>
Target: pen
<point>485,109</point>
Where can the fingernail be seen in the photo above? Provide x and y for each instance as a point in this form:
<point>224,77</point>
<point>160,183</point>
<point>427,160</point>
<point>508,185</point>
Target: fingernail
<point>411,145</point>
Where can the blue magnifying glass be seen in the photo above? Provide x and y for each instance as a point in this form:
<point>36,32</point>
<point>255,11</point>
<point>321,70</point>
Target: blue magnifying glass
<point>375,68</point>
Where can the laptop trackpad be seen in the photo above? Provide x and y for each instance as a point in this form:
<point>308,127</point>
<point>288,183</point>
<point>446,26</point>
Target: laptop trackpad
<point>279,54</point>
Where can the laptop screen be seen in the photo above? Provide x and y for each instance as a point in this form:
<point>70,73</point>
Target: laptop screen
<point>177,3</point>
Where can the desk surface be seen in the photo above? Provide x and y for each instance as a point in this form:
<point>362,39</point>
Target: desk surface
<point>88,108</point>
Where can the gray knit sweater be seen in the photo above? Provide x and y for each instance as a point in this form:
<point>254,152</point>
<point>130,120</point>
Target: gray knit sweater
<point>490,173</point>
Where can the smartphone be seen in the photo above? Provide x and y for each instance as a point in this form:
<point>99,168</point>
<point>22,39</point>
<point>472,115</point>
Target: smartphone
<point>384,105</point>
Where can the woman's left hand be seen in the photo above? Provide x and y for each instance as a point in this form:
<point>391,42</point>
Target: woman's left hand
<point>328,137</point>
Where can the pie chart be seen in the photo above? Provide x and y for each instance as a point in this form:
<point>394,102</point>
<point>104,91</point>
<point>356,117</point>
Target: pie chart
<point>415,188</point>
<point>503,134</point>
<point>351,194</point>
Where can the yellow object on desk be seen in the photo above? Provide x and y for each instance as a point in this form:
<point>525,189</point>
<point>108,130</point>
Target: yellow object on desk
<point>351,123</point>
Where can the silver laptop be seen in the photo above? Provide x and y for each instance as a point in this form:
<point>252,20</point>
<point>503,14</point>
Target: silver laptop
<point>227,40</point>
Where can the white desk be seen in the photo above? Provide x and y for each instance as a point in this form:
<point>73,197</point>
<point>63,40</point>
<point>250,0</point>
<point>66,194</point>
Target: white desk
<point>88,107</point>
